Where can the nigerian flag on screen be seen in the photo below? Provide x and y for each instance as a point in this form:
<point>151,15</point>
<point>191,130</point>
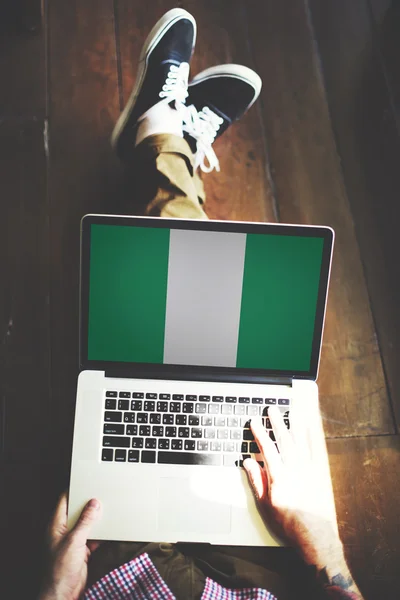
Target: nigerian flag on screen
<point>202,297</point>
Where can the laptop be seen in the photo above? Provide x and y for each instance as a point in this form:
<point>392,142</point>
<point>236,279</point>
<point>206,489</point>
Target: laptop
<point>188,329</point>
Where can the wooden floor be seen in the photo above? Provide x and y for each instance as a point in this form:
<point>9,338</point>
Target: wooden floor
<point>322,146</point>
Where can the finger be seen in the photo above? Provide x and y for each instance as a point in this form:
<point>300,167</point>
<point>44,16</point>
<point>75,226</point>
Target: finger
<point>58,525</point>
<point>282,435</point>
<point>299,429</point>
<point>90,514</point>
<point>257,478</point>
<point>270,455</point>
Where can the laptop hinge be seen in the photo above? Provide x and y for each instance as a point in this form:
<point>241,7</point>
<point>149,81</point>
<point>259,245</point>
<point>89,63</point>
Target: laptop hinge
<point>123,373</point>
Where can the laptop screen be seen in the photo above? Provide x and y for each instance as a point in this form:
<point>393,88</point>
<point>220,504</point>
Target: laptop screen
<point>204,298</point>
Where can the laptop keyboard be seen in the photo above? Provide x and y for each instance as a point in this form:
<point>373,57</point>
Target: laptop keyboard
<point>146,427</point>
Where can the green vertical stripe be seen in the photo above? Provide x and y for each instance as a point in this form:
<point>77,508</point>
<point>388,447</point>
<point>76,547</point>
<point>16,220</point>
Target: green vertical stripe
<point>128,289</point>
<point>279,298</point>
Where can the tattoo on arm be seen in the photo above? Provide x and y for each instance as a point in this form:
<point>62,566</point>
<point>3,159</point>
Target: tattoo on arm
<point>337,587</point>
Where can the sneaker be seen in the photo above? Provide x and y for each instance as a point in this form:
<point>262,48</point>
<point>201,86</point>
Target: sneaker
<point>217,97</point>
<point>162,74</point>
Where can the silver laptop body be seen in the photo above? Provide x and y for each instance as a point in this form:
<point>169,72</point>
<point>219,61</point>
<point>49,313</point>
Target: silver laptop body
<point>187,330</point>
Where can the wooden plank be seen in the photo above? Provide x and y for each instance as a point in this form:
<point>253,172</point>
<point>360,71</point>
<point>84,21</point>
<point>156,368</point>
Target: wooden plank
<point>309,186</point>
<point>24,300</point>
<point>367,494</point>
<point>83,173</point>
<point>22,60</point>
<point>241,191</point>
<point>369,145</point>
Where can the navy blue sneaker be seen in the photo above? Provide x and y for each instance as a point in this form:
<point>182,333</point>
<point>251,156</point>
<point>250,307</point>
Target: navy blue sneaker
<point>217,97</point>
<point>162,75</point>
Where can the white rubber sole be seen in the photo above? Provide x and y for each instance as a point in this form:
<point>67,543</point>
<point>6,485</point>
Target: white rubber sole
<point>159,29</point>
<point>236,72</point>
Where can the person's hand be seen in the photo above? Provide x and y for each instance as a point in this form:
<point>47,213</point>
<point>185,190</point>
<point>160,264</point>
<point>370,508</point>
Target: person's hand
<point>294,489</point>
<point>70,552</point>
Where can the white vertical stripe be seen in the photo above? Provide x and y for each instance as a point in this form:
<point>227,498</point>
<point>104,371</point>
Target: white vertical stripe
<point>205,276</point>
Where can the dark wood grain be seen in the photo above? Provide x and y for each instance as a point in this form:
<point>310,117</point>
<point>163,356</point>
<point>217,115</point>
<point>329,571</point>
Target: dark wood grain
<point>309,186</point>
<point>24,300</point>
<point>369,145</point>
<point>82,171</point>
<point>241,191</point>
<point>367,494</point>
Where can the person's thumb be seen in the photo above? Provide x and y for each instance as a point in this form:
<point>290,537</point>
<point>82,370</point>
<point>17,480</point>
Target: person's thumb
<point>256,478</point>
<point>81,532</point>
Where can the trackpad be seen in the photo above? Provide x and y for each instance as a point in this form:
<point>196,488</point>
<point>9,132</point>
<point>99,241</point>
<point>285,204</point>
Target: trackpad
<point>181,510</point>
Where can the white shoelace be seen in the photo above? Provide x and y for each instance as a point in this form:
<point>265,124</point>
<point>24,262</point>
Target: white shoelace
<point>176,84</point>
<point>203,126</point>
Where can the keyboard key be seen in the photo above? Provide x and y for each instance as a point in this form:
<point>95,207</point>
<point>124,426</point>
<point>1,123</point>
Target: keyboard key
<point>233,422</point>
<point>204,398</point>
<point>191,397</point>
<point>133,456</point>
<point>229,446</point>
<point>120,456</point>
<point>158,431</point>
<point>113,417</point>
<point>142,418</point>
<point>144,430</point>
<point>124,394</point>
<point>283,401</point>
<point>213,409</point>
<point>189,458</point>
<point>223,434</point>
<point>267,423</point>
<point>227,409</point>
<point>187,407</point>
<point>220,421</point>
<point>148,456</point>
<point>137,442</point>
<point>230,460</point>
<point>252,411</point>
<point>137,395</point>
<point>287,423</point>
<point>113,429</point>
<point>181,420</point>
<point>149,406</point>
<point>254,449</point>
<point>197,432</point>
<point>272,436</point>
<point>236,434</point>
<point>231,399</point>
<point>209,433</point>
<point>155,419</point>
<point>151,396</point>
<point>176,444</point>
<point>111,404</point>
<point>217,398</point>
<point>183,432</point>
<point>202,446</point>
<point>107,453</point>
<point>136,405</point>
<point>123,404</point>
<point>201,408</point>
<point>175,407</point>
<point>111,394</point>
<point>270,401</point>
<point>206,421</point>
<point>244,448</point>
<point>116,442</point>
<point>168,419</point>
<point>248,435</point>
<point>240,409</point>
<point>162,406</point>
<point>190,445</point>
<point>194,420</point>
<point>163,444</point>
<point>164,396</point>
<point>129,417</point>
<point>244,400</point>
<point>177,396</point>
<point>131,429</point>
<point>215,446</point>
<point>150,444</point>
<point>170,431</point>
<point>257,401</point>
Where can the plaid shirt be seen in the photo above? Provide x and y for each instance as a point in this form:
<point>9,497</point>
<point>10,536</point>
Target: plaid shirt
<point>140,580</point>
